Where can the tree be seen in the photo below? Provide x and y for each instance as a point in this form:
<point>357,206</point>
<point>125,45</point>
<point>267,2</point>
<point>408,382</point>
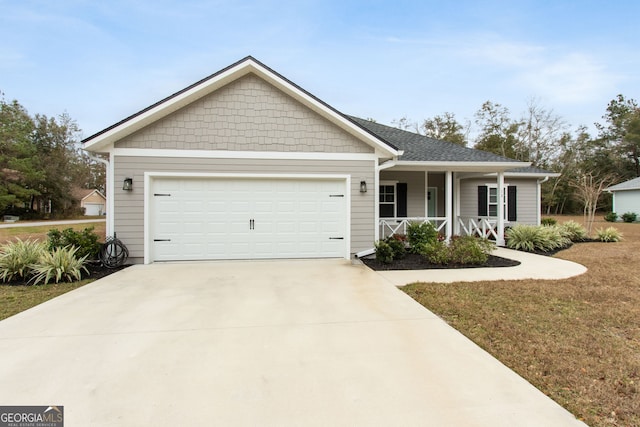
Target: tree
<point>446,128</point>
<point>540,133</point>
<point>18,158</point>
<point>589,187</point>
<point>498,132</point>
<point>621,134</point>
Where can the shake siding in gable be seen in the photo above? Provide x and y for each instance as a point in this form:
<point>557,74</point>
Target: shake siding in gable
<point>129,206</point>
<point>246,115</point>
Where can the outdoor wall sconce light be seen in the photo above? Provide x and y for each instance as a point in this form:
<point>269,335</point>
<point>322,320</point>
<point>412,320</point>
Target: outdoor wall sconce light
<point>128,184</point>
<point>363,186</point>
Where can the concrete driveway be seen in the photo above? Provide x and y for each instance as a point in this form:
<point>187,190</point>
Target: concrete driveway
<point>256,343</point>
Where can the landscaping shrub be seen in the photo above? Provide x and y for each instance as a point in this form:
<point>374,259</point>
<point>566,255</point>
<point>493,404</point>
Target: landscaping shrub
<point>629,217</point>
<point>531,238</point>
<point>470,250</point>
<point>61,264</point>
<point>17,257</point>
<point>397,246</point>
<point>436,252</point>
<point>609,234</point>
<point>611,217</point>
<point>419,233</point>
<point>548,221</point>
<point>573,231</point>
<point>463,250</point>
<point>86,241</point>
<point>384,252</point>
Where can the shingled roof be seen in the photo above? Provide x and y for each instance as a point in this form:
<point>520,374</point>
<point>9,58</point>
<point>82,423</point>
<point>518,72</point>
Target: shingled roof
<point>632,184</point>
<point>418,147</point>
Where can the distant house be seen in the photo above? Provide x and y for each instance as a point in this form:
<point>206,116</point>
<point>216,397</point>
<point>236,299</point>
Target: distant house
<point>245,164</point>
<point>626,197</point>
<point>91,201</point>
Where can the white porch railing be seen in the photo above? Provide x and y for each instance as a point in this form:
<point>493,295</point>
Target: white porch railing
<point>479,226</point>
<point>391,226</point>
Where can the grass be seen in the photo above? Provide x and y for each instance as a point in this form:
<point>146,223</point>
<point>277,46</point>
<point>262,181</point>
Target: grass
<point>40,232</point>
<point>15,299</point>
<point>577,340</point>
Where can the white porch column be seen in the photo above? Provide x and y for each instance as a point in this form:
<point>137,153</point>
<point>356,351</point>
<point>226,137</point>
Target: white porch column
<point>456,207</point>
<point>426,193</point>
<point>449,203</point>
<point>500,224</point>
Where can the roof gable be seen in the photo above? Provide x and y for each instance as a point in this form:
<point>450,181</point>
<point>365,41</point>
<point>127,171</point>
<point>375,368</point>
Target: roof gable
<point>190,94</point>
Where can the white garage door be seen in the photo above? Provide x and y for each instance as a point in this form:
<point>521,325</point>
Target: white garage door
<point>93,208</point>
<point>219,218</point>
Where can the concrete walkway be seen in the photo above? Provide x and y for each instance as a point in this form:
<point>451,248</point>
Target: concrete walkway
<point>45,223</point>
<point>532,267</point>
<point>276,343</point>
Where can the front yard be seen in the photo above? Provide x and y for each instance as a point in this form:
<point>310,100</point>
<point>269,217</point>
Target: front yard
<point>577,340</point>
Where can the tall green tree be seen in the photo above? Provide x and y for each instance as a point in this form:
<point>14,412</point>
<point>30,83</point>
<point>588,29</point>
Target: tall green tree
<point>620,135</point>
<point>19,163</point>
<point>446,128</point>
<point>498,131</point>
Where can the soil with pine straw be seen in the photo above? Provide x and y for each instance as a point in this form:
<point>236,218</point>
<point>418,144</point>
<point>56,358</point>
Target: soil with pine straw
<point>418,262</point>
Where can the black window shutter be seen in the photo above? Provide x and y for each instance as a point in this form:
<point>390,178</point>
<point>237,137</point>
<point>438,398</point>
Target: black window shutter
<point>512,203</point>
<point>401,204</point>
<point>483,206</point>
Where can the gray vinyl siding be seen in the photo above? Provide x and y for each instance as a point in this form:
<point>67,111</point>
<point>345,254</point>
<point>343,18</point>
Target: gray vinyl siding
<point>415,189</point>
<point>626,201</point>
<point>246,115</point>
<point>129,206</point>
<point>526,198</point>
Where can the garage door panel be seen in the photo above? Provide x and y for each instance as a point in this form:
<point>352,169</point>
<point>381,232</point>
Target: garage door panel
<point>241,219</point>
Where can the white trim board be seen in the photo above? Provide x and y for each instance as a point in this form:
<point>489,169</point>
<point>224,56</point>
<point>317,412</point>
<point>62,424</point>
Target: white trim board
<point>266,155</point>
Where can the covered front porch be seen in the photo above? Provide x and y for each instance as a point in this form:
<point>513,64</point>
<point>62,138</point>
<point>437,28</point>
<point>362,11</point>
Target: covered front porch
<point>458,202</point>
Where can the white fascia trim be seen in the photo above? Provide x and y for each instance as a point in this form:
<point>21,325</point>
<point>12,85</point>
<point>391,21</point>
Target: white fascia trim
<point>234,73</point>
<point>149,176</point>
<point>269,155</point>
<point>462,166</point>
<point>531,175</point>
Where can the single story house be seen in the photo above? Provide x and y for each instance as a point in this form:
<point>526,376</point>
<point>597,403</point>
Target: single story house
<point>245,164</point>
<point>93,202</point>
<point>626,197</point>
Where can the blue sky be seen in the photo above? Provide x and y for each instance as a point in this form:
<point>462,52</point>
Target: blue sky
<point>102,61</point>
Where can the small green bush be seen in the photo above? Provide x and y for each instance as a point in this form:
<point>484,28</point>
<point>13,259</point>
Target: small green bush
<point>86,241</point>
<point>573,231</point>
<point>548,221</point>
<point>470,250</point>
<point>419,233</point>
<point>384,252</point>
<point>61,264</point>
<point>17,257</point>
<point>397,246</point>
<point>436,252</point>
<point>611,217</point>
<point>629,217</point>
<point>609,234</point>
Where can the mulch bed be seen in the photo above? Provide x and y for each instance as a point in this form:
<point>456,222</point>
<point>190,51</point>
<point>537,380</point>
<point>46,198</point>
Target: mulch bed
<point>417,262</point>
<point>96,271</point>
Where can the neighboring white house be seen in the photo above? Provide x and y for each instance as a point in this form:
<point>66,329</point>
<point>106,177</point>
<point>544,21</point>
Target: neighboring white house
<point>91,201</point>
<point>626,197</point>
<point>245,164</point>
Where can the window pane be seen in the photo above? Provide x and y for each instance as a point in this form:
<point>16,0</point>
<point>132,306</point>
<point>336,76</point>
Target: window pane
<point>386,211</point>
<point>493,210</point>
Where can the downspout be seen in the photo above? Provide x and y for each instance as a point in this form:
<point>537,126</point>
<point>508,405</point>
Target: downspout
<point>539,198</point>
<point>108,190</point>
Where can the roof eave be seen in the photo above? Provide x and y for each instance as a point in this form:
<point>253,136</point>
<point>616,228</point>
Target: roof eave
<point>459,166</point>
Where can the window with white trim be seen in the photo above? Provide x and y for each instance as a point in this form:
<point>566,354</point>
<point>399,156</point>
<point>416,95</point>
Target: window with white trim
<point>387,201</point>
<point>492,201</point>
